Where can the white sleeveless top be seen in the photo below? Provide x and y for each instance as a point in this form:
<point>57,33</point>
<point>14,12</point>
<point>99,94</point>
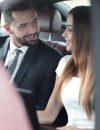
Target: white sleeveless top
<point>69,96</point>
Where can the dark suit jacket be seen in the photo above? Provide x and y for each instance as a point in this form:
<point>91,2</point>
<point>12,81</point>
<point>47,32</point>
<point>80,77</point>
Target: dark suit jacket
<point>37,70</point>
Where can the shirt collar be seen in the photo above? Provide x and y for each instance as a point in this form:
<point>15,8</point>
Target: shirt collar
<point>13,47</point>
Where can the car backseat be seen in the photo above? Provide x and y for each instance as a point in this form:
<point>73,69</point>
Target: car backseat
<point>50,21</point>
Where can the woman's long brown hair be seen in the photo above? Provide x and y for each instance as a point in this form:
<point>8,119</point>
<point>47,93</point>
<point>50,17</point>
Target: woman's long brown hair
<point>82,60</point>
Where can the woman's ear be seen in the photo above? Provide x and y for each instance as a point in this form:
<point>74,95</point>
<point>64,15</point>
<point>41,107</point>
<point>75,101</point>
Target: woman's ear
<point>7,28</point>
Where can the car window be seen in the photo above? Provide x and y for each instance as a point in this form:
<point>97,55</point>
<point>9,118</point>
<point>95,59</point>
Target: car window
<point>74,3</point>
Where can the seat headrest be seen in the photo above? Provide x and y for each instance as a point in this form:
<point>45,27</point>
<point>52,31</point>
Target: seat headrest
<point>49,20</point>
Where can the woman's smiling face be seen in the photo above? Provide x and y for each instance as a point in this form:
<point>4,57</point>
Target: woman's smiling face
<point>68,33</point>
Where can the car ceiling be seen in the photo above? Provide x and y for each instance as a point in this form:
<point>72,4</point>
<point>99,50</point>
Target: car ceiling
<point>38,3</point>
<point>42,3</point>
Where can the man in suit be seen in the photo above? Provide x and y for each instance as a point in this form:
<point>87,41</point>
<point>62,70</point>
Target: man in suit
<point>35,69</point>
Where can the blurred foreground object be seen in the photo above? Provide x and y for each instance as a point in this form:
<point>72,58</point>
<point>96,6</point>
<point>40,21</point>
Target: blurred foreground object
<point>13,114</point>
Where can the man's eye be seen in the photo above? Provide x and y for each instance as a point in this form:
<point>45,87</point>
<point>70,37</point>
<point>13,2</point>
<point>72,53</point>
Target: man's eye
<point>35,21</point>
<point>22,26</point>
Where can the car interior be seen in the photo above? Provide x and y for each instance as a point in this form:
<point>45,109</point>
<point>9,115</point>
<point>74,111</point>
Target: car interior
<point>52,18</point>
<point>49,32</point>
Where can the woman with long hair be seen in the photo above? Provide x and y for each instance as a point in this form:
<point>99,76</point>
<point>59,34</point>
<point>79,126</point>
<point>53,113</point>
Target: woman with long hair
<point>74,86</point>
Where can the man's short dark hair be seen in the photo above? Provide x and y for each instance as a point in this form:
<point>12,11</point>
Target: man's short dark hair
<point>15,5</point>
<point>9,6</point>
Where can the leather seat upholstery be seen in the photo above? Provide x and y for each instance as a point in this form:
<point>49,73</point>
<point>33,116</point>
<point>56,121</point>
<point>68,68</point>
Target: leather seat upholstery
<point>50,21</point>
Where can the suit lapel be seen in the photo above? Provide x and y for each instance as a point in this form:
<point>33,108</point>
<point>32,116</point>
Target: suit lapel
<point>26,63</point>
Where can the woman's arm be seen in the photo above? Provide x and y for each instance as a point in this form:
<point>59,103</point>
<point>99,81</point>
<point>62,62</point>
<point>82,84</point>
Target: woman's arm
<point>53,107</point>
<point>71,128</point>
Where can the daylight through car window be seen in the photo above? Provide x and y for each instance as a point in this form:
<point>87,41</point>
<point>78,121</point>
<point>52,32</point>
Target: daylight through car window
<point>74,3</point>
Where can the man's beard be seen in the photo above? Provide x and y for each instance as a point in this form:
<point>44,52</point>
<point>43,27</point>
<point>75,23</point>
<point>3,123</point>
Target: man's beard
<point>27,43</point>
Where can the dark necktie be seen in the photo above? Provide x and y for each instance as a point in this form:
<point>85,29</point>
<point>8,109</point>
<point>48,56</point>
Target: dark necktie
<point>13,62</point>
